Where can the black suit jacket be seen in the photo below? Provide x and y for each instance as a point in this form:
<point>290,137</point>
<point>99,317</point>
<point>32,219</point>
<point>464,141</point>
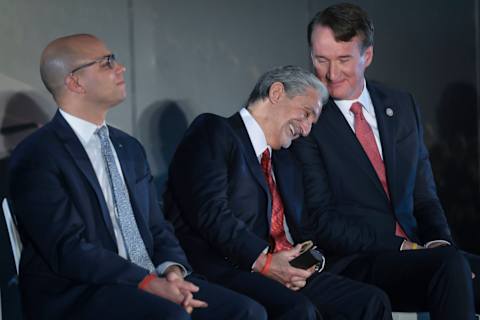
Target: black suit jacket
<point>348,208</point>
<point>218,198</point>
<point>69,245</point>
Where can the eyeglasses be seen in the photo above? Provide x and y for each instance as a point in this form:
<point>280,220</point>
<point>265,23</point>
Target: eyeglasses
<point>110,59</point>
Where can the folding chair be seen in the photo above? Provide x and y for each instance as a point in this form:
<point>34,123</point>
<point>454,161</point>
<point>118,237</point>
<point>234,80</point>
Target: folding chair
<point>15,241</point>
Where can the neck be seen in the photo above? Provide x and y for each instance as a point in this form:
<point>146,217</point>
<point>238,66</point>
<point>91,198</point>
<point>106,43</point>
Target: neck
<point>90,114</point>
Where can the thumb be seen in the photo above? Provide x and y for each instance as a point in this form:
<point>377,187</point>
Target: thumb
<point>294,252</point>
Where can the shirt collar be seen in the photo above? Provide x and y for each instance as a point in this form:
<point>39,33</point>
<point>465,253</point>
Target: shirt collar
<point>255,133</point>
<point>364,99</point>
<point>82,128</point>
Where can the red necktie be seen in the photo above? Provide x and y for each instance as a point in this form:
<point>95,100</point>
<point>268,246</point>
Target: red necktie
<point>277,231</point>
<point>365,136</point>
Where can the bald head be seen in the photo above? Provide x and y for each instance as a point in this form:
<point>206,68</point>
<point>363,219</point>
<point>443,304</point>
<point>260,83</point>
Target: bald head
<point>59,58</point>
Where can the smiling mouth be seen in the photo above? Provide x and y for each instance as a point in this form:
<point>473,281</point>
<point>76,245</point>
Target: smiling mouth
<point>294,131</point>
<point>336,83</point>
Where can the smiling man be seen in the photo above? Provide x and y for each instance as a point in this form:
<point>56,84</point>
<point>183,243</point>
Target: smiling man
<point>95,242</point>
<point>235,197</point>
<point>369,190</point>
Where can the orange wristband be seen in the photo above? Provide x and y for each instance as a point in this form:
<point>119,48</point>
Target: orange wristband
<point>146,281</point>
<point>266,266</point>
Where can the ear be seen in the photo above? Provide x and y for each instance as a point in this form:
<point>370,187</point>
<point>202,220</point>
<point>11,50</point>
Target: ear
<point>275,92</point>
<point>368,56</point>
<point>72,84</point>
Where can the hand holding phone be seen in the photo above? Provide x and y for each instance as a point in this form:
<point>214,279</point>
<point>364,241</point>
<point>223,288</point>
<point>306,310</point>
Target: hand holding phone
<point>309,257</point>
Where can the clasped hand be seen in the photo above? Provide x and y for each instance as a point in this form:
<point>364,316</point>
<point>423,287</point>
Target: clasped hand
<point>174,288</point>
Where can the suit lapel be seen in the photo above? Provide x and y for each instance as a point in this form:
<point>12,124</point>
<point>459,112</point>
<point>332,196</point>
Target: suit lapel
<point>286,175</point>
<point>80,158</point>
<point>246,148</point>
<point>345,138</point>
<point>386,127</point>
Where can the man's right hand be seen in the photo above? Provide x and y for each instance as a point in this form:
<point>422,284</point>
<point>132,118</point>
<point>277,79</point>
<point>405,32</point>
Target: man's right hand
<point>174,288</point>
<point>281,270</point>
<point>408,245</point>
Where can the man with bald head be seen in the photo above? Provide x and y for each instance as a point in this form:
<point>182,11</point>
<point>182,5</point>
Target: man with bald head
<point>96,244</point>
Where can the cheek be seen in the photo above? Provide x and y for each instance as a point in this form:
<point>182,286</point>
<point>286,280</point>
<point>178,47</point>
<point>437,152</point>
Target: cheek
<point>321,71</point>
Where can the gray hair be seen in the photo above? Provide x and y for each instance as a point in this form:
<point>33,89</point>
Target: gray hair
<point>294,79</point>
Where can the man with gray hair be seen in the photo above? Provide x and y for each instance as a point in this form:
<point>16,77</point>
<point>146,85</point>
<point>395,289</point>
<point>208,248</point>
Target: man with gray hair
<point>235,197</point>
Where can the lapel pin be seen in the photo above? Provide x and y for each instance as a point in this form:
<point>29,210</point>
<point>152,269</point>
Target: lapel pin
<point>389,112</point>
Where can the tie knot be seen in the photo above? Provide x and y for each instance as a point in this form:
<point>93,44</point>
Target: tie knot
<point>266,163</point>
<point>102,132</point>
<point>356,108</point>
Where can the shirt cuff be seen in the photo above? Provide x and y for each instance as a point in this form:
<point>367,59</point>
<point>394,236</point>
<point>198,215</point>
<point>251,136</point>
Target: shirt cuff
<point>429,243</point>
<point>265,251</point>
<point>165,265</point>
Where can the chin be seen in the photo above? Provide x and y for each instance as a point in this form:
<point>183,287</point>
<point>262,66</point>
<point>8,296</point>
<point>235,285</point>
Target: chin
<point>287,144</point>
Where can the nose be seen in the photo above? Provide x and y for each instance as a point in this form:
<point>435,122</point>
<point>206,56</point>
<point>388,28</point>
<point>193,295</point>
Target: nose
<point>332,71</point>
<point>120,68</point>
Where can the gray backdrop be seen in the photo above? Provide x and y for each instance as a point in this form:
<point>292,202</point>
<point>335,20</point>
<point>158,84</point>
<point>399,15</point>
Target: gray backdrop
<point>188,57</point>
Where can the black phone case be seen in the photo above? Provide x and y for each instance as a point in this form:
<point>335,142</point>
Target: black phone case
<point>307,259</point>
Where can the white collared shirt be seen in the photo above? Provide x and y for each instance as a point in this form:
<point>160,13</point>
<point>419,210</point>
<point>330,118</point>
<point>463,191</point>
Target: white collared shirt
<point>85,132</point>
<point>259,143</point>
<point>368,113</point>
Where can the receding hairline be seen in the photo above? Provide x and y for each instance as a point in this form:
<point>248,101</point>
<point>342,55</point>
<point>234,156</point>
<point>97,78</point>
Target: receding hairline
<point>59,57</point>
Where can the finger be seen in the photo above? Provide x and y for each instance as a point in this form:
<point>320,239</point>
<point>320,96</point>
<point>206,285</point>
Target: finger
<point>188,309</point>
<point>296,279</point>
<point>473,275</point>
<point>198,303</point>
<point>188,297</point>
<point>296,272</point>
<point>298,284</point>
<point>294,252</point>
<point>312,269</point>
<point>172,276</point>
<point>188,286</point>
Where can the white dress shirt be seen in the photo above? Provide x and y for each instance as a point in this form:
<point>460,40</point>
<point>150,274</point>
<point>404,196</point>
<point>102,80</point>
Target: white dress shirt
<point>368,113</point>
<point>85,132</point>
<point>259,142</point>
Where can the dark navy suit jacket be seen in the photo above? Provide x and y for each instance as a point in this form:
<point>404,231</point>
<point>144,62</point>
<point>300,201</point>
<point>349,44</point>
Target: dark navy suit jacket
<point>218,198</point>
<point>347,206</point>
<point>69,245</point>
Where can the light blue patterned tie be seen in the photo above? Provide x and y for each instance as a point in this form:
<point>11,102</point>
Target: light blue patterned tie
<point>133,241</point>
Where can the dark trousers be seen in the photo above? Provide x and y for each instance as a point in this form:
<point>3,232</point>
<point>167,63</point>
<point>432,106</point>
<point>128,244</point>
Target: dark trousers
<point>436,280</point>
<point>326,296</point>
<point>125,302</point>
<point>474,262</point>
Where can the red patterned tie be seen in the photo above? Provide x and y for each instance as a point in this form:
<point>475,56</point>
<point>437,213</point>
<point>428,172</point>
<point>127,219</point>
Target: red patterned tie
<point>277,231</point>
<point>365,136</point>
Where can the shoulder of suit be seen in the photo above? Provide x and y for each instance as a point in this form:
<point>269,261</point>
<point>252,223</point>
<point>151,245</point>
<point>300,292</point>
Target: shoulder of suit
<point>209,122</point>
<point>39,139</point>
<point>208,118</point>
<point>381,88</point>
